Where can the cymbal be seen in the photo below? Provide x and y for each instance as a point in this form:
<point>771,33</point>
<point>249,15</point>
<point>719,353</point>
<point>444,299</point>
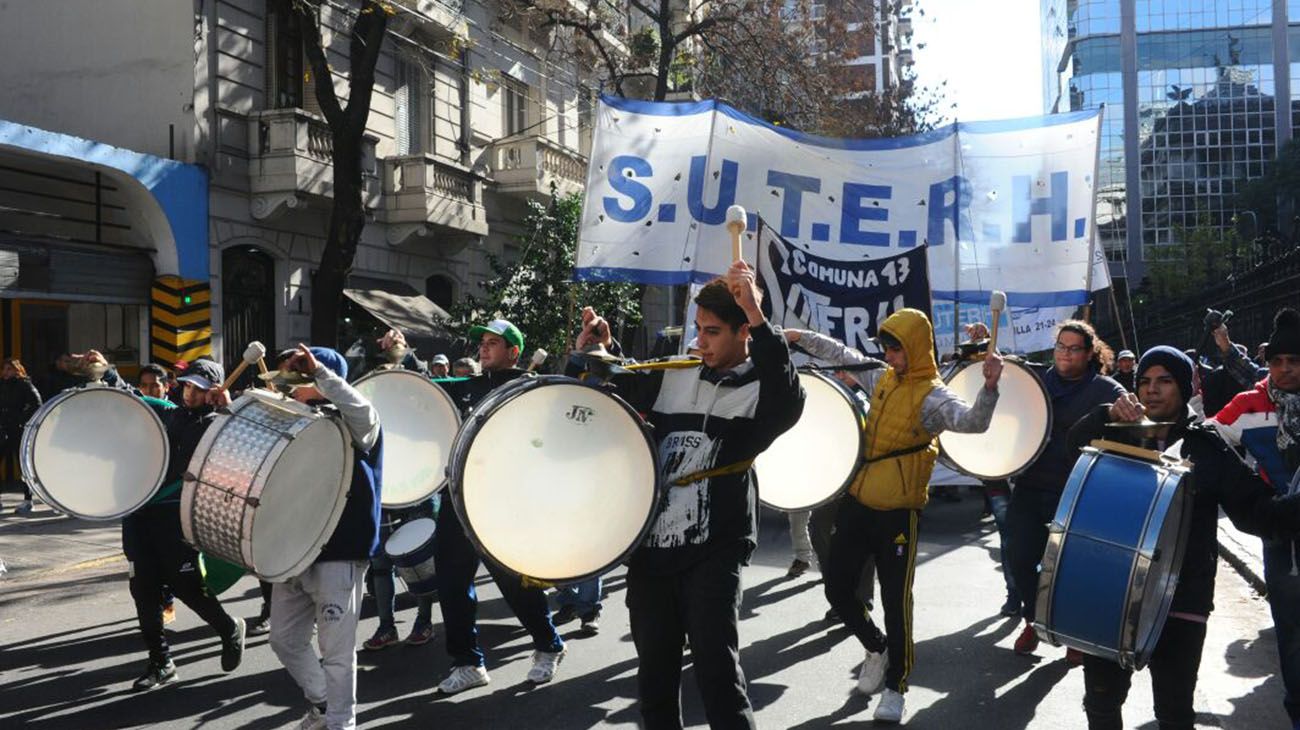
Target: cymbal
<point>1144,424</point>
<point>285,379</point>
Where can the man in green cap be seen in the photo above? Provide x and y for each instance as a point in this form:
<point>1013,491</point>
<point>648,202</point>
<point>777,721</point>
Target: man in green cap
<point>499,348</point>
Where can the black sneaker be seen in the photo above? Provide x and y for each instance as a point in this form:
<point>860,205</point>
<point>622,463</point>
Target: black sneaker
<point>564,615</point>
<point>591,622</point>
<point>232,647</point>
<point>258,626</point>
<point>158,674</point>
<point>832,616</point>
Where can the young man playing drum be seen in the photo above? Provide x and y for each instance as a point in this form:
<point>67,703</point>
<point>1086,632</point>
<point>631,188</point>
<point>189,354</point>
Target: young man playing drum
<point>1076,386</point>
<point>879,516</point>
<point>500,344</point>
<point>709,423</point>
<point>152,540</point>
<point>1218,477</point>
<point>326,597</point>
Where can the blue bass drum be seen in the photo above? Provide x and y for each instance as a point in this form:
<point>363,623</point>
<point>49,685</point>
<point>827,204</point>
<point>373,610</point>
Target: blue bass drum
<point>1113,554</point>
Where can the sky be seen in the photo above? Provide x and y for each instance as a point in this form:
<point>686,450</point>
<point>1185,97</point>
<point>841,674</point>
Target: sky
<point>992,60</point>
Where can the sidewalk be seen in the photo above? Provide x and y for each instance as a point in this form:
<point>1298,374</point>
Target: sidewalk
<point>46,543</point>
<point>1243,552</point>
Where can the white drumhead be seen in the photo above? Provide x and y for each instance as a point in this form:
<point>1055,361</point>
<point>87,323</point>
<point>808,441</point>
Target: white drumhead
<point>96,453</point>
<point>1016,435</point>
<point>302,500</point>
<point>410,537</point>
<point>558,482</point>
<point>813,461</point>
<point>420,423</point>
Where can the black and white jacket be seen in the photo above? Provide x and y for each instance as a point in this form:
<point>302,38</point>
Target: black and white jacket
<point>705,419</point>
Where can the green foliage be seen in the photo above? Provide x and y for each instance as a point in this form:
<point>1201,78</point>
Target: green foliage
<point>1201,260</point>
<point>537,292</point>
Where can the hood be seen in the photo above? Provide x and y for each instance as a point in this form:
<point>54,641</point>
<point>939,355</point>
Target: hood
<point>912,328</point>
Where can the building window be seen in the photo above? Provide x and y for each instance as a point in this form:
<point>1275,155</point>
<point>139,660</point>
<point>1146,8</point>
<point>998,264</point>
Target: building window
<point>408,98</point>
<point>515,103</point>
<point>440,290</point>
<point>285,69</point>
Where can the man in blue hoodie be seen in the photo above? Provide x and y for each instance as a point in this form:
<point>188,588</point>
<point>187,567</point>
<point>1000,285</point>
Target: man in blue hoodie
<point>327,596</point>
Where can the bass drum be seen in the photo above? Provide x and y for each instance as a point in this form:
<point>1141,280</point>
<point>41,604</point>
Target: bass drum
<point>554,480</point>
<point>1022,422</point>
<point>267,485</point>
<point>420,423</point>
<point>95,452</point>
<point>816,460</point>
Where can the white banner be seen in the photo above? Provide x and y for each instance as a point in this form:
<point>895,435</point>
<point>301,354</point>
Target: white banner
<point>1002,205</point>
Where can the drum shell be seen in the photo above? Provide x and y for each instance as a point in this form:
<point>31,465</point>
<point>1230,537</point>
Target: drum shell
<point>496,403</point>
<point>796,449</point>
<point>113,448</point>
<point>227,489</point>
<point>1005,431</point>
<point>416,567</point>
<point>1114,551</point>
<point>420,457</point>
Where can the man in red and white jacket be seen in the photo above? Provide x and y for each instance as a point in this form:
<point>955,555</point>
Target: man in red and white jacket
<point>1266,422</point>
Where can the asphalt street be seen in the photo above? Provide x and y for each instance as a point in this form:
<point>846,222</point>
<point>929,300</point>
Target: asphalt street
<point>69,651</point>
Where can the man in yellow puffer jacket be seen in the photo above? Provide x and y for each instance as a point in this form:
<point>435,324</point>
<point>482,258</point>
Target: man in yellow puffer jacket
<point>879,516</point>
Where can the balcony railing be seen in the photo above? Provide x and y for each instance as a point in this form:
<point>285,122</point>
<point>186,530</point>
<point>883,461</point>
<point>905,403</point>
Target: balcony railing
<point>528,166</point>
<point>291,162</point>
<point>425,196</point>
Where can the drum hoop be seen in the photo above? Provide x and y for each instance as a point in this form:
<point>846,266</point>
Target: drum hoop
<point>454,410</point>
<point>27,450</point>
<point>862,446</point>
<point>492,403</point>
<point>1056,538</point>
<point>1180,502</point>
<point>1042,444</point>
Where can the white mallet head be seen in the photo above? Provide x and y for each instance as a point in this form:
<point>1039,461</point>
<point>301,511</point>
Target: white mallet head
<point>539,356</point>
<point>998,301</point>
<point>254,352</point>
<point>736,214</point>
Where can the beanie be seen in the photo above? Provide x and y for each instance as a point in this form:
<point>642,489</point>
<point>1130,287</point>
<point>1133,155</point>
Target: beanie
<point>1169,358</point>
<point>1285,337</point>
<point>332,360</point>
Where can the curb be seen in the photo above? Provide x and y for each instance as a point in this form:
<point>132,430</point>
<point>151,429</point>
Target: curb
<point>1242,560</point>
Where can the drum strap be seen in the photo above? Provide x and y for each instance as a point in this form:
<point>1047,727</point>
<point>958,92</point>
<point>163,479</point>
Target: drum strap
<point>898,453</point>
<point>699,476</point>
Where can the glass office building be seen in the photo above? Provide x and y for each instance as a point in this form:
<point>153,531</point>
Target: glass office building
<point>1198,96</point>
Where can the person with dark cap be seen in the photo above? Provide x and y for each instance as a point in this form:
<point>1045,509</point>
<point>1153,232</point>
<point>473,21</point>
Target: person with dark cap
<point>500,344</point>
<point>326,597</point>
<point>879,517</point>
<point>1218,477</point>
<point>1076,386</point>
<point>157,555</point>
<point>1266,422</point>
<point>1124,373</point>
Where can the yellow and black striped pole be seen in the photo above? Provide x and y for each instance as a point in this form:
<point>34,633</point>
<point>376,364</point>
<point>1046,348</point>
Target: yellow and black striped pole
<point>180,319</point>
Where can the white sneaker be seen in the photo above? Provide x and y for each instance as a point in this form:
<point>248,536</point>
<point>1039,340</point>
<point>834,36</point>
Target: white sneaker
<point>872,674</point>
<point>890,708</point>
<point>313,720</point>
<point>544,665</point>
<point>463,678</point>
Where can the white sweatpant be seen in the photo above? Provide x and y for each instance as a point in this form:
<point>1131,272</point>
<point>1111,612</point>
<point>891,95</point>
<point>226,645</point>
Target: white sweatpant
<point>327,596</point>
<point>799,539</point>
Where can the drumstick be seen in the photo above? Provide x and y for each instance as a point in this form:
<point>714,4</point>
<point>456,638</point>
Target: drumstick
<point>539,357</point>
<point>736,223</point>
<point>997,303</point>
<point>253,353</point>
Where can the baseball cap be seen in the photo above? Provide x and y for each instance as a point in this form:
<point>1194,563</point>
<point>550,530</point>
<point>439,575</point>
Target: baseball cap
<point>1125,353</point>
<point>441,359</point>
<point>502,328</point>
<point>206,374</point>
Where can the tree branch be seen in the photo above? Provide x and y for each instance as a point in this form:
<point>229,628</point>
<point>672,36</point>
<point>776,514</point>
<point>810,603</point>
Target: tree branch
<point>367,41</point>
<point>589,30</point>
<point>315,50</point>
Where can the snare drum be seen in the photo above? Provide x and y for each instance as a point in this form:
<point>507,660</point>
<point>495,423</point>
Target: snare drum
<point>553,479</point>
<point>420,422</point>
<point>95,452</point>
<point>410,550</point>
<point>1018,433</point>
<point>1113,555</point>
<point>267,485</point>
<point>816,460</point>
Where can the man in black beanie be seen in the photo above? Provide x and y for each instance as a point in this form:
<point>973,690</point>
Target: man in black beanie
<point>1218,477</point>
<point>1266,421</point>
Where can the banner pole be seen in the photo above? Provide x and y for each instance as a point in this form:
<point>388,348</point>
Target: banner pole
<point>1092,215</point>
<point>956,237</point>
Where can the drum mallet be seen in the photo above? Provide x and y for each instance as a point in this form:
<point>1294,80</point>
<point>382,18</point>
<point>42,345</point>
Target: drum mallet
<point>253,353</point>
<point>539,357</point>
<point>997,303</point>
<point>736,223</point>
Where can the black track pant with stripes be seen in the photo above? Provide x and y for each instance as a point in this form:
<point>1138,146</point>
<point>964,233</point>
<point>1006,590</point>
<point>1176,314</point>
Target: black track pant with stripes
<point>890,537</point>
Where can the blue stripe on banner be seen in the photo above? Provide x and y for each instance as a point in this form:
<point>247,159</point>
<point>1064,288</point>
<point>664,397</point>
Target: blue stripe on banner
<point>682,109</point>
<point>1016,299</point>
